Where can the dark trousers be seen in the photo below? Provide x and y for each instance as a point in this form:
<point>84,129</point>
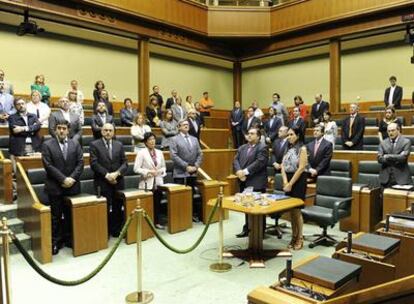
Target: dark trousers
<point>114,210</point>
<point>61,221</point>
<point>237,138</point>
<point>242,186</point>
<point>157,196</point>
<point>191,182</point>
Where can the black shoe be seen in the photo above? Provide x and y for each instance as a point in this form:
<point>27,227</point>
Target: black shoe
<point>55,249</point>
<point>159,226</point>
<point>115,234</point>
<point>244,233</point>
<point>196,219</point>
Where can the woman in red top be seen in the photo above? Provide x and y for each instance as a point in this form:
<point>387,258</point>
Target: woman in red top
<point>302,107</point>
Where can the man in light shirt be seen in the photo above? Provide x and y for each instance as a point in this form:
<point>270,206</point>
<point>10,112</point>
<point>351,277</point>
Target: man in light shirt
<point>280,108</point>
<point>8,87</point>
<point>75,130</point>
<point>393,95</point>
<point>6,105</point>
<point>74,88</point>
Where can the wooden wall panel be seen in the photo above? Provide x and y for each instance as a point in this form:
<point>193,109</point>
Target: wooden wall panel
<point>179,13</point>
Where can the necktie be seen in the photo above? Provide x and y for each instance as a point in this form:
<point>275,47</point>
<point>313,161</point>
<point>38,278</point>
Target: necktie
<point>154,157</point>
<point>108,146</point>
<point>317,143</point>
<point>351,123</point>
<point>64,149</point>
<point>195,125</point>
<point>393,144</point>
<point>249,151</point>
<point>188,141</point>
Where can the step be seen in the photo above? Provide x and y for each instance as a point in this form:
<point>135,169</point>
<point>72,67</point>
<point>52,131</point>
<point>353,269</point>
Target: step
<point>8,210</point>
<point>24,239</point>
<point>15,225</point>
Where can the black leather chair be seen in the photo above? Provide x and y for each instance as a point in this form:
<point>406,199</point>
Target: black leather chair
<point>87,121</point>
<point>368,172</point>
<point>276,229</point>
<point>86,140</point>
<point>371,121</point>
<point>338,143</point>
<point>341,168</point>
<point>371,143</point>
<point>4,145</point>
<point>333,200</point>
<point>377,108</point>
<point>126,140</point>
<point>37,179</point>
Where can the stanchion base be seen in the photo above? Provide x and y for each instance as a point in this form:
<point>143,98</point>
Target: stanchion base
<point>220,267</point>
<point>143,297</point>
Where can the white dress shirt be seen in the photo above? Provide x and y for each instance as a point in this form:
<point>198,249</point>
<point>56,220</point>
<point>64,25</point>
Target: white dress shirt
<point>390,97</point>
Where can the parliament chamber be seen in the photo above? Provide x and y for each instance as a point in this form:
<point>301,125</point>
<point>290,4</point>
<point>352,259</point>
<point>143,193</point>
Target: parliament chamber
<point>137,138</point>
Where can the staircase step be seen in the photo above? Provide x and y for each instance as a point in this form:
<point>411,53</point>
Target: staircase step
<point>8,210</point>
<point>24,239</point>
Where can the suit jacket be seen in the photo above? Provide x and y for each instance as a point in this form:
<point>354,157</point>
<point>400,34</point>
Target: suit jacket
<point>127,117</point>
<point>322,160</point>
<point>17,142</point>
<point>159,99</point>
<point>101,164</point>
<point>151,113</point>
<point>255,122</point>
<point>301,125</point>
<point>182,155</point>
<point>170,102</point>
<point>108,104</point>
<point>317,113</point>
<point>395,161</point>
<point>279,151</point>
<point>357,136</point>
<point>97,125</point>
<point>192,131</point>
<point>272,131</point>
<point>255,163</point>
<point>396,97</point>
<point>57,168</point>
<point>236,117</point>
<point>75,131</point>
<point>175,108</point>
<point>144,163</point>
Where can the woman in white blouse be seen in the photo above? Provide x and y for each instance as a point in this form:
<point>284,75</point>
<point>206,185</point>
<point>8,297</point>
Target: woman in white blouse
<point>39,108</point>
<point>150,164</point>
<point>331,129</point>
<point>138,130</point>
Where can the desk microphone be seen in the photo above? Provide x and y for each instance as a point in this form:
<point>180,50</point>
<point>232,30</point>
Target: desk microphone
<point>349,244</point>
<point>387,223</point>
<point>145,186</point>
<point>288,271</point>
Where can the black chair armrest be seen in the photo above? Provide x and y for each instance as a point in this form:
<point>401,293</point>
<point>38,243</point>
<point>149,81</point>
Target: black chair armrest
<point>344,203</point>
<point>310,195</point>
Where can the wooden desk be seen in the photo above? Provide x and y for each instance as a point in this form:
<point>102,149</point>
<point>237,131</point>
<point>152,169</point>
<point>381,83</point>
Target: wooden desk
<point>255,253</point>
<point>209,190</point>
<point>216,122</point>
<point>180,207</point>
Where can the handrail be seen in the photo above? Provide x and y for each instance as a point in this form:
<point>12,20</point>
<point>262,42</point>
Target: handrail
<point>204,144</point>
<point>204,174</point>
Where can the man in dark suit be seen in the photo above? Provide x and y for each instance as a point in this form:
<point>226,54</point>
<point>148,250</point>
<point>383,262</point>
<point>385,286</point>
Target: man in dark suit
<point>156,94</point>
<point>187,156</point>
<point>127,113</point>
<point>63,161</point>
<point>194,124</point>
<point>250,122</point>
<point>75,130</point>
<point>319,154</point>
<point>24,130</point>
<point>272,126</point>
<point>393,154</point>
<point>394,94</point>
<point>99,119</point>
<point>353,128</point>
<point>172,100</point>
<point>298,122</point>
<point>109,164</point>
<point>250,166</point>
<point>103,97</point>
<point>236,121</point>
<point>279,148</point>
<point>318,108</point>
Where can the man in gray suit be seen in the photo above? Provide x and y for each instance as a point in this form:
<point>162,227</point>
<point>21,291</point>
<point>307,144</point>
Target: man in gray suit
<point>393,155</point>
<point>75,130</point>
<point>250,166</point>
<point>186,154</point>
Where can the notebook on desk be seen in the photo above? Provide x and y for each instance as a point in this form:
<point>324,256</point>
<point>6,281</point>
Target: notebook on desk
<point>327,272</point>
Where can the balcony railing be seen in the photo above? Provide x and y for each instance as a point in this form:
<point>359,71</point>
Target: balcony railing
<point>262,3</point>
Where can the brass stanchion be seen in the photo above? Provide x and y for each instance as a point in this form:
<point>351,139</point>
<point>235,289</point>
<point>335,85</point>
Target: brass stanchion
<point>139,296</point>
<point>220,266</point>
<point>5,294</point>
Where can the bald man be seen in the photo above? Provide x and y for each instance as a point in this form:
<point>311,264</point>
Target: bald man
<point>109,164</point>
<point>393,153</point>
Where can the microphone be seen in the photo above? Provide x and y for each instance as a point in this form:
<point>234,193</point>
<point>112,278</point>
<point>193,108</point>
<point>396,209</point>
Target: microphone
<point>98,191</point>
<point>288,271</point>
<point>349,245</point>
<point>387,223</point>
<point>145,186</point>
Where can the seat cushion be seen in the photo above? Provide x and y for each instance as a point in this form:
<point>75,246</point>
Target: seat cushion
<point>36,176</point>
<point>321,215</point>
<point>41,194</point>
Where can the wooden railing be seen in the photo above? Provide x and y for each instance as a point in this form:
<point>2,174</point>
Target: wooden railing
<point>6,179</point>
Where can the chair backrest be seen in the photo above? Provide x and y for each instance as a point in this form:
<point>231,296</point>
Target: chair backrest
<point>87,173</point>
<point>401,119</point>
<point>170,167</point>
<point>368,172</point>
<point>371,121</point>
<point>126,140</point>
<point>341,168</point>
<point>131,181</point>
<point>278,183</point>
<point>117,122</point>
<point>87,121</point>
<point>330,189</point>
<point>88,186</point>
<point>37,179</point>
<point>371,143</point>
<point>4,145</point>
